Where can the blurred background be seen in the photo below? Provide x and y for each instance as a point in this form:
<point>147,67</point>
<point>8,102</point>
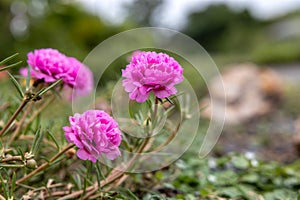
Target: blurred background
<point>256,45</point>
<point>230,31</point>
<point>259,31</point>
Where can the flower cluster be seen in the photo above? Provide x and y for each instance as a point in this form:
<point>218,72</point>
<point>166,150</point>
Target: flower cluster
<point>51,65</point>
<point>151,72</point>
<point>94,133</point>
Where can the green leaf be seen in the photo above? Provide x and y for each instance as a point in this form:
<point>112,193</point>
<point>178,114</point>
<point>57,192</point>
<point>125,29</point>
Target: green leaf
<point>37,141</point>
<point>10,66</point>
<point>84,187</point>
<point>99,175</point>
<point>1,147</point>
<point>28,78</point>
<point>77,181</point>
<point>20,151</point>
<point>226,177</point>
<point>8,58</point>
<point>280,194</point>
<point>13,183</point>
<point>5,187</point>
<point>16,84</point>
<point>44,158</point>
<point>159,175</point>
<point>53,139</point>
<point>204,192</point>
<point>132,195</point>
<point>250,178</point>
<point>240,162</point>
<point>56,161</point>
<point>231,192</point>
<point>44,90</point>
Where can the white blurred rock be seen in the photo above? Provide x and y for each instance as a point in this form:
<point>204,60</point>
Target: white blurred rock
<point>250,92</point>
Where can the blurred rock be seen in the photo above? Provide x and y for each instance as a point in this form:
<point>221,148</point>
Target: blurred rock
<point>250,92</point>
<point>3,74</point>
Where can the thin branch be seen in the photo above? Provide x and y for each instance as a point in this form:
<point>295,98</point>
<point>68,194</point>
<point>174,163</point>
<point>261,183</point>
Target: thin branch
<point>170,138</point>
<point>20,124</point>
<point>13,158</point>
<point>45,165</point>
<point>14,116</point>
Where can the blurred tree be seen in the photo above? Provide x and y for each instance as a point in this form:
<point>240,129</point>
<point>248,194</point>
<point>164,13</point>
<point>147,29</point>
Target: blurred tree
<point>5,35</point>
<point>55,24</point>
<point>141,12</point>
<point>218,28</point>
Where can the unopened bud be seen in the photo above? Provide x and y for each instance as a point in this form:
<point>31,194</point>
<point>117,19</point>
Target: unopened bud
<point>8,156</point>
<point>70,153</point>
<point>31,164</point>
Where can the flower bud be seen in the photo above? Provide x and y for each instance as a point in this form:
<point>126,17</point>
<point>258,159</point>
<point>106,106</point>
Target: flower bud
<point>70,153</point>
<point>31,164</point>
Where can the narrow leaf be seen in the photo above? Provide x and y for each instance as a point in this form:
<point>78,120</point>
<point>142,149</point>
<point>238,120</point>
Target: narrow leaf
<point>77,181</point>
<point>5,188</point>
<point>169,100</point>
<point>1,146</point>
<point>44,158</point>
<point>56,161</point>
<point>10,66</point>
<point>28,78</point>
<point>99,175</point>
<point>17,85</point>
<point>20,151</point>
<point>13,183</point>
<point>53,139</point>
<point>132,195</point>
<point>44,90</point>
<point>37,141</point>
<point>8,58</point>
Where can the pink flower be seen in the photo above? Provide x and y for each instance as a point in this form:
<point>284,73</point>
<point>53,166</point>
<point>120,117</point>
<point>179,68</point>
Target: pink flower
<point>94,133</point>
<point>151,71</point>
<point>51,65</point>
<point>84,78</point>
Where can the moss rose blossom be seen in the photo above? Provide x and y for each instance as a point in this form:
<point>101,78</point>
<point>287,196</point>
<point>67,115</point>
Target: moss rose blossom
<point>84,81</point>
<point>94,133</point>
<point>51,65</point>
<point>151,72</point>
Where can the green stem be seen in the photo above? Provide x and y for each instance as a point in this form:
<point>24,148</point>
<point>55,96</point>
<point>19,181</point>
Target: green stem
<point>13,117</point>
<point>155,108</point>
